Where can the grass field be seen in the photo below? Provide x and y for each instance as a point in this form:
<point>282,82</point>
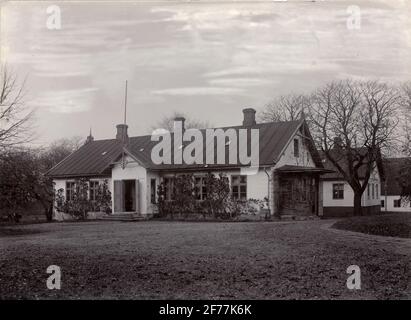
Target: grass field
<point>393,225</point>
<point>186,260</point>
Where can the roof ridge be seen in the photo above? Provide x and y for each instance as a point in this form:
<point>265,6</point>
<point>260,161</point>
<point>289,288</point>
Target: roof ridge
<point>224,127</point>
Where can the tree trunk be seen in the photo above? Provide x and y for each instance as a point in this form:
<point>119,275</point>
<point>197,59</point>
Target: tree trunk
<point>357,204</point>
<point>48,209</point>
<point>49,213</point>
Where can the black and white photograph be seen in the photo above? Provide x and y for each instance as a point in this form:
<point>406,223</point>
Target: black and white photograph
<point>224,152</point>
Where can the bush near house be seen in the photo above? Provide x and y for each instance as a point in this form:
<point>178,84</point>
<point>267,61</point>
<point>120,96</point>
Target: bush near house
<point>80,203</point>
<point>183,198</point>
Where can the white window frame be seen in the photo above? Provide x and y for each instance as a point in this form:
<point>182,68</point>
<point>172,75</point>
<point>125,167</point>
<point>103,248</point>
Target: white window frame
<point>333,191</point>
<point>242,182</point>
<point>70,191</point>
<point>95,189</point>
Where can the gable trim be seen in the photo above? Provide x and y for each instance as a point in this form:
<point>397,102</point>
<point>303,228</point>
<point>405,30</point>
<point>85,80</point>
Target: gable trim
<point>288,143</point>
<point>130,154</point>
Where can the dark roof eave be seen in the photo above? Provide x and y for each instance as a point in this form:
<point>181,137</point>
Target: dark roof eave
<point>208,168</point>
<point>338,178</point>
<point>297,169</point>
<point>80,175</point>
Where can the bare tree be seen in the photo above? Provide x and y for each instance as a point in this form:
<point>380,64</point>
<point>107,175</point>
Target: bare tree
<point>405,172</point>
<point>168,122</point>
<point>353,122</point>
<point>58,150</point>
<point>285,108</point>
<point>14,115</point>
<point>406,94</point>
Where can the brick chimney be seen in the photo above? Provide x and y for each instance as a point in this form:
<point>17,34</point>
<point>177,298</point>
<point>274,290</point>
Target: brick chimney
<point>249,117</point>
<point>122,134</point>
<point>182,120</point>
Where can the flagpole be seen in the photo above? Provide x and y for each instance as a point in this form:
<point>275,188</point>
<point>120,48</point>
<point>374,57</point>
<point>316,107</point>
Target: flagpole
<point>125,106</point>
<point>124,131</point>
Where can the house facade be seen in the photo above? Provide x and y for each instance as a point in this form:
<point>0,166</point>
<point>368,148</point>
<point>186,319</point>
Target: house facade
<point>338,196</point>
<point>287,174</point>
<point>391,190</point>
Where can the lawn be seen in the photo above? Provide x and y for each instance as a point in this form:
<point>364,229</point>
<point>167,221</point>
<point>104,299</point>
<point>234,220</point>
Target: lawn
<point>194,260</point>
<point>393,225</point>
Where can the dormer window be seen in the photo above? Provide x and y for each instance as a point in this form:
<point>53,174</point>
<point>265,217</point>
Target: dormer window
<point>296,148</point>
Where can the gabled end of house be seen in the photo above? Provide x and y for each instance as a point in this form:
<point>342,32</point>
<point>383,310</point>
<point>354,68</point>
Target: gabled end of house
<point>391,189</point>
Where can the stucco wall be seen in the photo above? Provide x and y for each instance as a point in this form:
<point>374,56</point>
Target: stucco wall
<point>389,204</point>
<point>348,200</point>
<point>257,185</point>
<point>287,158</point>
<point>132,171</point>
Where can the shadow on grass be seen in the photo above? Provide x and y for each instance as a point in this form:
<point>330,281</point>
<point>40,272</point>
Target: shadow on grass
<point>13,232</point>
<point>390,225</point>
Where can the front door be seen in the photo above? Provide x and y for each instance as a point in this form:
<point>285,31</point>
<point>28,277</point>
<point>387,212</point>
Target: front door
<point>126,196</point>
<point>129,195</point>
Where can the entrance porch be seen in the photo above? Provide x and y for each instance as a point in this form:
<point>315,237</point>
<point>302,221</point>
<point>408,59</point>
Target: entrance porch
<point>126,196</point>
<point>297,191</point>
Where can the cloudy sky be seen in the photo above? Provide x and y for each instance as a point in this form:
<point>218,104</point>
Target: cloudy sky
<point>208,60</point>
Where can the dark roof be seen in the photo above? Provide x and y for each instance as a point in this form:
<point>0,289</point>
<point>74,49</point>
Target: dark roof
<point>89,159</point>
<point>301,169</point>
<point>341,159</point>
<point>393,168</point>
<point>273,137</point>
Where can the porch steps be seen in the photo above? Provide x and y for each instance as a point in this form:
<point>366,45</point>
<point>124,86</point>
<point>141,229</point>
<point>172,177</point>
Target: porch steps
<point>123,217</point>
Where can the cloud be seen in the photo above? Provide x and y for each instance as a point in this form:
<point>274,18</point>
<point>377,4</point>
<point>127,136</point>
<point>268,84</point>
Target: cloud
<point>240,82</point>
<point>193,91</point>
<point>220,55</point>
<point>218,18</point>
<point>66,101</point>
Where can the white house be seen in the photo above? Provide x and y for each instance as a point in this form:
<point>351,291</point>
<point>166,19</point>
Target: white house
<point>391,189</point>
<point>288,171</point>
<point>338,196</point>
